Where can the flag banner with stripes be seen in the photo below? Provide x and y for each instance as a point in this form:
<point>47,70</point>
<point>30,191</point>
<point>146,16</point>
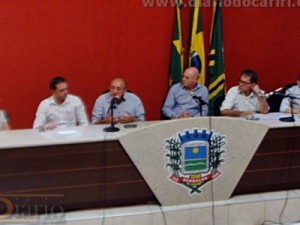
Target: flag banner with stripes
<point>216,59</point>
<point>176,64</point>
<point>197,53</point>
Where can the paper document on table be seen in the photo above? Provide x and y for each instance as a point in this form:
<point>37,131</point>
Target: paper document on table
<point>271,116</point>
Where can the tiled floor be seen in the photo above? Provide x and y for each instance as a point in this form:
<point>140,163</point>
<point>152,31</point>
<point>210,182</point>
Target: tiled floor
<point>257,209</point>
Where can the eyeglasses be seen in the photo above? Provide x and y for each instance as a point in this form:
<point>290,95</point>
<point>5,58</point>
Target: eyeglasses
<point>244,82</point>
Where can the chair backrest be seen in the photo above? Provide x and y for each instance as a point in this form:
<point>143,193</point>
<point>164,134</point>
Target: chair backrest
<point>287,86</point>
<point>217,105</point>
<point>107,90</point>
<point>162,115</point>
<point>274,102</point>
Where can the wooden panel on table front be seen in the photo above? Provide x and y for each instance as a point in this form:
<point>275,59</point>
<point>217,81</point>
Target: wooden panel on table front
<point>71,177</point>
<point>275,165</point>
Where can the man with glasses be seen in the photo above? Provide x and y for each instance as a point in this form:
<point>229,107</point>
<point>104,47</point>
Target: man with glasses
<point>60,109</point>
<point>246,98</point>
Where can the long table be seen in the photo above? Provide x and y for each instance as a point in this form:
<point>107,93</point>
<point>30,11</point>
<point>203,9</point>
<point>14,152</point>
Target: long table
<point>67,169</point>
<point>275,165</point>
<point>83,167</point>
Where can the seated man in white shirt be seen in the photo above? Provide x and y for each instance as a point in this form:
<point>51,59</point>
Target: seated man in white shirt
<point>285,105</point>
<point>246,98</point>
<point>60,109</point>
<point>4,121</point>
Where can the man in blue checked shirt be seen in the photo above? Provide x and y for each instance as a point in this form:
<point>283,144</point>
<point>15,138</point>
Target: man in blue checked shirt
<point>188,98</point>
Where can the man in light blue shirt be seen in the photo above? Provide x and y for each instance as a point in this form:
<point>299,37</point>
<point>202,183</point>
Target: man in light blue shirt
<point>188,98</point>
<point>127,106</point>
<point>286,104</point>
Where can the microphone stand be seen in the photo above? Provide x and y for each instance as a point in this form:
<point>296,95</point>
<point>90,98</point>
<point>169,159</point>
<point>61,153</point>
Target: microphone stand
<point>289,118</point>
<point>200,102</point>
<point>112,127</point>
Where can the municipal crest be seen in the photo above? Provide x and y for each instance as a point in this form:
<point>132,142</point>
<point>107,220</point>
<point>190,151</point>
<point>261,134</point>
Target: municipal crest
<point>194,157</point>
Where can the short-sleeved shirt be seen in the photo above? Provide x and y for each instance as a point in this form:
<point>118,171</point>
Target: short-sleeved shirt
<point>285,104</point>
<point>70,113</point>
<point>3,119</point>
<point>237,101</point>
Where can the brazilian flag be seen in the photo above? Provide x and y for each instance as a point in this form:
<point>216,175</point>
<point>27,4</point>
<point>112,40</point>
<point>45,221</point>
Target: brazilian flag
<point>197,52</point>
<point>216,59</point>
<point>176,65</point>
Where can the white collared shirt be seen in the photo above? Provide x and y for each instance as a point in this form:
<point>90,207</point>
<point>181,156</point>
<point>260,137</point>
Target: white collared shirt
<point>285,104</point>
<point>237,101</point>
<point>3,119</point>
<point>70,113</point>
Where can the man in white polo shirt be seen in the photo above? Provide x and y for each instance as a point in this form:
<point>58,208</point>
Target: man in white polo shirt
<point>60,109</point>
<point>246,98</point>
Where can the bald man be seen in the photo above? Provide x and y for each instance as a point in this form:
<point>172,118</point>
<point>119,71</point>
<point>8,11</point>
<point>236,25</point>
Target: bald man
<point>128,107</point>
<point>184,99</point>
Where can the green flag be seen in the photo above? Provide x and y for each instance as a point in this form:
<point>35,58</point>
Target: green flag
<point>176,65</point>
<point>216,59</point>
<point>197,53</point>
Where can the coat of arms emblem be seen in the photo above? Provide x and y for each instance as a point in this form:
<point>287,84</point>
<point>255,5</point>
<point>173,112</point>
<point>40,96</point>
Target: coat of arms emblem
<point>194,157</point>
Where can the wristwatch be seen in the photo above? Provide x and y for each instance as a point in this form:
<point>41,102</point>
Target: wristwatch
<point>261,94</point>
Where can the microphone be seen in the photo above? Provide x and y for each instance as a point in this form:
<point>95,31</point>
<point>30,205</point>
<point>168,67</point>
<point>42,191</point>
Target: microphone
<point>115,99</point>
<point>198,99</point>
<point>268,95</point>
<point>193,96</point>
<point>280,89</point>
<point>113,103</point>
<point>112,127</point>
